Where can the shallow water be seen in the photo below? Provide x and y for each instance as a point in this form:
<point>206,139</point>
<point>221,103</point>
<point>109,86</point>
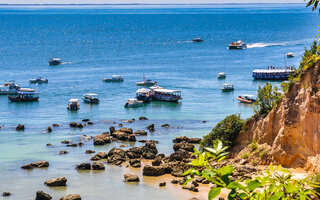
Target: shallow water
<point>96,42</point>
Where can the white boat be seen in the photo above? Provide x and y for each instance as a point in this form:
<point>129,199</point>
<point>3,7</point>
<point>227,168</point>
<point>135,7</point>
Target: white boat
<point>90,98</point>
<point>13,88</point>
<point>114,78</point>
<point>38,80</point>
<point>73,104</point>
<point>144,94</point>
<point>237,45</point>
<point>221,75</point>
<point>197,40</point>
<point>162,94</point>
<point>55,61</point>
<point>246,98</point>
<point>290,55</point>
<point>146,82</point>
<point>227,87</point>
<point>133,103</point>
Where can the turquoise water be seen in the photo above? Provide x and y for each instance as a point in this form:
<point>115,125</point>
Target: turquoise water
<point>98,41</point>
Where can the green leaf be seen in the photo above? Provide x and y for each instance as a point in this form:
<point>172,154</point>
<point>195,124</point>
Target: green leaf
<point>289,188</point>
<point>214,192</point>
<point>232,194</point>
<point>187,181</point>
<point>226,170</point>
<point>271,168</point>
<point>243,195</point>
<point>235,185</point>
<point>253,184</point>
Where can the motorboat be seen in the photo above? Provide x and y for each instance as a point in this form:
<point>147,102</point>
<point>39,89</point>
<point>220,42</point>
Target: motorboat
<point>290,55</point>
<point>197,40</point>
<point>146,83</point>
<point>38,80</point>
<point>133,103</point>
<point>24,97</point>
<point>227,87</point>
<point>246,98</point>
<point>273,74</point>
<point>90,98</point>
<point>237,45</point>
<point>73,104</point>
<point>114,78</point>
<point>221,75</point>
<point>144,94</point>
<point>55,61</point>
<point>162,94</point>
<point>13,88</point>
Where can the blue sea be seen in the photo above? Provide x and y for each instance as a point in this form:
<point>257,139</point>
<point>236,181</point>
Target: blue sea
<point>97,41</point>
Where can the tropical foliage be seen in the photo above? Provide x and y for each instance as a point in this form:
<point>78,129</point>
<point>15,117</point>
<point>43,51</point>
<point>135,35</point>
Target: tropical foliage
<point>277,184</point>
<point>226,130</point>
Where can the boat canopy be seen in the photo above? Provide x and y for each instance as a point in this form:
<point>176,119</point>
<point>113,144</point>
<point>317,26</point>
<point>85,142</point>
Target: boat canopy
<point>272,70</point>
<point>156,87</point>
<point>248,95</point>
<point>24,93</point>
<point>116,76</point>
<point>143,90</point>
<point>227,84</point>
<point>90,94</point>
<point>222,73</point>
<point>162,90</point>
<point>56,59</point>
<point>73,100</point>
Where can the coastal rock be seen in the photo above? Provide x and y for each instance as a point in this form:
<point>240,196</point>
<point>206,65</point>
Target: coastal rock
<point>71,197</point>
<point>162,184</point>
<point>126,130</point>
<point>145,141</point>
<point>49,129</point>
<point>156,161</point>
<point>112,130</point>
<point>49,145</point>
<point>135,163</point>
<point>153,170</point>
<point>63,152</point>
<point>149,151</point>
<point>86,120</point>
<point>72,145</point>
<point>6,194</point>
<point>184,146</point>
<point>175,181</point>
<point>132,138</point>
<point>131,178</point>
<point>90,151</point>
<point>79,125</point>
<point>97,166</point>
<point>151,128</point>
<point>140,132</point>
<point>102,139</point>
<point>120,135</point>
<point>56,182</point>
<point>20,127</point>
<point>116,156</point>
<point>40,195</point>
<point>143,118</point>
<point>165,125</point>
<point>66,142</point>
<point>134,152</point>
<point>99,156</point>
<point>83,166</point>
<point>90,123</point>
<point>186,139</point>
<point>73,124</point>
<point>55,125</point>
<point>40,164</point>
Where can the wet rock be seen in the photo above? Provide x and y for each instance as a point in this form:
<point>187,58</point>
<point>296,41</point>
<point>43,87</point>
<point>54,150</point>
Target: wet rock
<point>40,195</point>
<point>205,182</point>
<point>175,181</point>
<point>149,151</point>
<point>156,161</point>
<point>132,138</point>
<point>73,124</point>
<point>86,120</point>
<point>55,125</point>
<point>131,178</point>
<point>116,156</point>
<point>20,127</point>
<point>178,156</point>
<point>128,121</point>
<point>162,184</point>
<point>126,130</point>
<point>153,170</point>
<point>40,164</point>
<point>195,183</point>
<point>90,151</point>
<point>27,166</point>
<point>120,125</point>
<point>112,130</point>
<point>99,156</point>
<point>199,179</point>
<point>56,182</point>
<point>120,135</point>
<point>165,125</point>
<point>145,141</point>
<point>66,142</point>
<point>71,197</point>
<point>90,123</point>
<point>49,129</point>
<point>49,145</point>
<point>122,145</point>
<point>102,139</point>
<point>83,166</point>
<point>79,125</point>
<point>143,118</point>
<point>63,152</point>
<point>134,152</point>
<point>194,198</point>
<point>140,132</point>
<point>184,146</point>
<point>80,144</point>
<point>6,194</point>
<point>167,168</point>
<point>135,163</point>
<point>97,166</point>
<point>72,145</point>
<point>186,139</point>
<point>151,128</point>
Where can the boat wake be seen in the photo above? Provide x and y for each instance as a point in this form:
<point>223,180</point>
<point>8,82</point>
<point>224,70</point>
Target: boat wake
<point>260,45</point>
<point>185,41</point>
<point>66,63</point>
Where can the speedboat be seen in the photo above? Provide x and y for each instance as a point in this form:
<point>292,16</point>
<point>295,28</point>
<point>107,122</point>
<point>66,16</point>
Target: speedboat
<point>246,98</point>
<point>73,104</point>
<point>24,97</point>
<point>290,55</point>
<point>90,98</point>
<point>38,80</point>
<point>144,94</point>
<point>227,87</point>
<point>221,75</point>
<point>55,61</point>
<point>197,40</point>
<point>114,78</point>
<point>13,88</point>
<point>237,45</point>
<point>133,103</point>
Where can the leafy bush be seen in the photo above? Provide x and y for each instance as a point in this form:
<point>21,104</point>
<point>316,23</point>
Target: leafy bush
<point>277,184</point>
<point>267,98</point>
<point>226,130</point>
<point>253,146</point>
<point>245,156</point>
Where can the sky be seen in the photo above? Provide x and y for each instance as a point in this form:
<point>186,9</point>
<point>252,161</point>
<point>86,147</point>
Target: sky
<point>142,1</point>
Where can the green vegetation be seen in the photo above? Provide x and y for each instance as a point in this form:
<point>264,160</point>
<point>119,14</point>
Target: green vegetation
<point>267,98</point>
<point>226,130</point>
<point>313,3</point>
<point>253,146</point>
<point>277,184</point>
<point>245,156</point>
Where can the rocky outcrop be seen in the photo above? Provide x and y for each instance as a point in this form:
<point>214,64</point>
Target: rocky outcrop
<point>40,164</point>
<point>183,146</point>
<point>131,178</point>
<point>186,139</point>
<point>71,197</point>
<point>140,132</point>
<point>20,127</point>
<point>83,166</point>
<point>153,170</point>
<point>116,156</point>
<point>292,128</point>
<point>151,128</point>
<point>56,182</point>
<point>102,139</point>
<point>99,156</point>
<point>40,195</point>
<point>6,194</point>
<point>97,166</point>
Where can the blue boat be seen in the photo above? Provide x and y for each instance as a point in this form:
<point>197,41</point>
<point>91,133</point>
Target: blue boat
<point>272,74</point>
<point>24,97</point>
<point>144,94</point>
<point>90,98</point>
